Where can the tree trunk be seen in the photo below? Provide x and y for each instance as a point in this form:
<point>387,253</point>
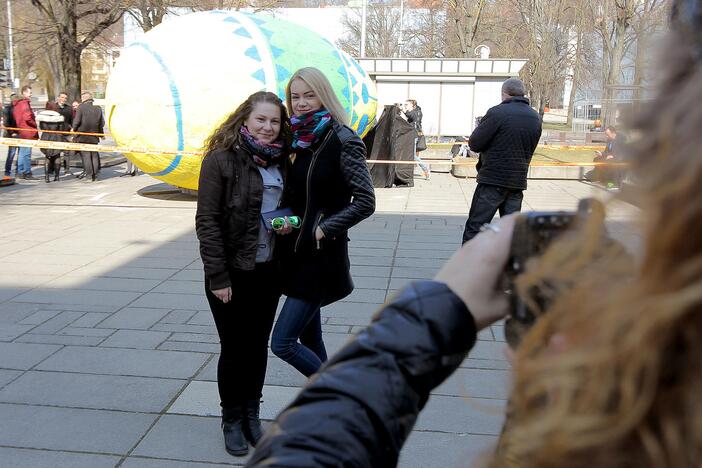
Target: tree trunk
<point>574,79</point>
<point>70,62</point>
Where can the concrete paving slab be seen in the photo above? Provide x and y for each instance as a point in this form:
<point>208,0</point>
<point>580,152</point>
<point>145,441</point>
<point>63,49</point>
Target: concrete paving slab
<point>135,318</point>
<point>136,462</point>
<point>135,339</point>
<point>178,316</point>
<point>202,318</point>
<point>478,383</point>
<point>40,317</point>
<point>181,287</point>
<point>90,319</point>
<point>70,429</point>
<point>22,356</point>
<point>181,437</point>
<point>195,337</point>
<point>124,272</point>
<point>431,449</point>
<point>59,339</point>
<point>7,376</point>
<point>58,322</point>
<point>15,457</point>
<point>172,301</point>
<point>462,415</point>
<point>112,392</point>
<point>115,361</point>
<point>207,348</point>
<point>77,296</point>
<point>200,398</point>
<point>103,284</point>
<point>11,332</point>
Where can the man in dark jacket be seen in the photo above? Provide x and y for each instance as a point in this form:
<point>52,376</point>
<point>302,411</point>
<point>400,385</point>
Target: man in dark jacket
<point>61,106</point>
<point>89,119</point>
<point>24,119</point>
<point>9,121</point>
<point>506,139</point>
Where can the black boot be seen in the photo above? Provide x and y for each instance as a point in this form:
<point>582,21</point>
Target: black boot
<point>252,424</point>
<point>234,442</point>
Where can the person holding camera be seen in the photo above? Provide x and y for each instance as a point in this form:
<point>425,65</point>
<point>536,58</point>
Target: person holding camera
<point>607,379</point>
<point>506,139</point>
<point>241,180</point>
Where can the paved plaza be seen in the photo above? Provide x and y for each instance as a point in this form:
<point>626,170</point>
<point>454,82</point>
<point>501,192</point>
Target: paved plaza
<point>108,350</point>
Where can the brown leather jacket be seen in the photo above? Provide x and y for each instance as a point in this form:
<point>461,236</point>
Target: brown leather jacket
<point>228,214</point>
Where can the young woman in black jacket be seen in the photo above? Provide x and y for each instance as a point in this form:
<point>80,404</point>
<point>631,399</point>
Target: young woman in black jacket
<point>330,187</point>
<point>242,176</point>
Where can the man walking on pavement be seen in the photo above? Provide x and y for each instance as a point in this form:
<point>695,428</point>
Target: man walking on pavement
<point>24,119</point>
<point>9,122</point>
<point>506,139</point>
<point>89,119</point>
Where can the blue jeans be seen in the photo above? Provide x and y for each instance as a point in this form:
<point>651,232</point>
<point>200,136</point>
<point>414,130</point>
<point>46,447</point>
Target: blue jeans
<point>422,165</point>
<point>11,151</point>
<point>24,160</point>
<point>301,320</point>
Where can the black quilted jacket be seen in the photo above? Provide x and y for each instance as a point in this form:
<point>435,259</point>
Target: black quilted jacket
<point>329,187</point>
<point>506,139</point>
<point>359,410</point>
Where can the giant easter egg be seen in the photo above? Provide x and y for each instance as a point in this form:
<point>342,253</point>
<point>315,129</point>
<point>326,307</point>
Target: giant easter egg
<point>171,89</point>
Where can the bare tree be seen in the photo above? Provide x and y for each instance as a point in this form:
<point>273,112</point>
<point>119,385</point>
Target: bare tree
<point>382,40</point>
<point>465,17</point>
<point>75,25</point>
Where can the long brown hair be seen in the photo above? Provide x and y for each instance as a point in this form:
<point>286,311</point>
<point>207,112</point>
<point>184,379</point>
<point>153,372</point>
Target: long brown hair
<point>624,389</point>
<point>227,134</point>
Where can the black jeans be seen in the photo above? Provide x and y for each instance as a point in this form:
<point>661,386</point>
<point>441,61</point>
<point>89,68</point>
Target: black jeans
<point>488,200</point>
<point>244,325</point>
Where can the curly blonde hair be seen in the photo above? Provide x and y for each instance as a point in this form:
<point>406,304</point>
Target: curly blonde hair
<point>625,387</point>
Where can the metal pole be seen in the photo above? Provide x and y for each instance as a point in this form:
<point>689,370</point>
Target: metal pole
<point>364,13</point>
<point>402,25</point>
<point>10,44</point>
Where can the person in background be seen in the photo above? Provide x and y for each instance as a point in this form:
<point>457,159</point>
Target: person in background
<point>242,178</point>
<point>8,121</point>
<point>413,113</point>
<point>329,186</point>
<point>506,139</point>
<point>89,119</point>
<point>607,175</point>
<point>61,106</point>
<point>25,121</point>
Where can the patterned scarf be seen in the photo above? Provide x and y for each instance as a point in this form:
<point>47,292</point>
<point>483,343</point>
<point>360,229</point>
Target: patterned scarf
<point>306,128</point>
<point>263,154</point>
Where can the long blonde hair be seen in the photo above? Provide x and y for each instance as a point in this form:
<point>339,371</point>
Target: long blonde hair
<point>321,86</point>
<point>626,388</point>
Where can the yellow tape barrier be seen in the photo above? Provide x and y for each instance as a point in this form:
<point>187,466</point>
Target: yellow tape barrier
<point>120,149</point>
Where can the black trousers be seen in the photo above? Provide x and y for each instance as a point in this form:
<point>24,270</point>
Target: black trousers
<point>488,200</point>
<point>244,326</point>
<point>91,162</point>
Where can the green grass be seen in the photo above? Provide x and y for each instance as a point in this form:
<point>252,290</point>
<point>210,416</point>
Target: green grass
<point>556,126</point>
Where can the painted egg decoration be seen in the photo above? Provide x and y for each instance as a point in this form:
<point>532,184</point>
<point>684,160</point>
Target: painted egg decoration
<point>172,88</point>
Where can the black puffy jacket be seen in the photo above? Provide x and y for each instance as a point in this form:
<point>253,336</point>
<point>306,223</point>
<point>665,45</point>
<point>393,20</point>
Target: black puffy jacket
<point>329,186</point>
<point>359,410</point>
<point>506,139</point>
